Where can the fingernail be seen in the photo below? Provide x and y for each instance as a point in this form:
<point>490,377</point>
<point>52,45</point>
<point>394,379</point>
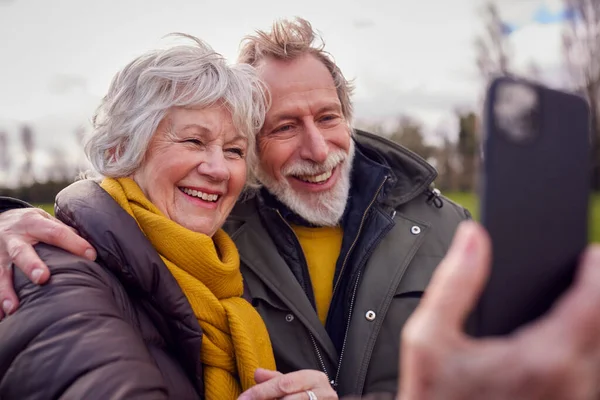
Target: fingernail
<point>465,243</point>
<point>90,254</point>
<point>7,306</point>
<point>461,237</point>
<point>471,246</point>
<point>36,274</point>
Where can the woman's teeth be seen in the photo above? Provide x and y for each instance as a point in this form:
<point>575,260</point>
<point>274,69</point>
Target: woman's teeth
<point>316,178</point>
<point>200,195</point>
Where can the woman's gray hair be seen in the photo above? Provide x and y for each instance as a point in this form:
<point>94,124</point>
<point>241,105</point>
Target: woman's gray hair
<point>141,94</point>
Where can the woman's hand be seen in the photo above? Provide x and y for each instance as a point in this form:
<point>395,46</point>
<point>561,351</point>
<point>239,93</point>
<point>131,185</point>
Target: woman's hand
<point>293,386</point>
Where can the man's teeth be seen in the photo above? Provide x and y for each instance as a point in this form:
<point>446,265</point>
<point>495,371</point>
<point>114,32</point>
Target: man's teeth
<point>316,178</point>
<point>200,195</point>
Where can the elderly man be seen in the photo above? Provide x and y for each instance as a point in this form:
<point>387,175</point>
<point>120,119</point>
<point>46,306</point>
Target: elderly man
<point>337,246</point>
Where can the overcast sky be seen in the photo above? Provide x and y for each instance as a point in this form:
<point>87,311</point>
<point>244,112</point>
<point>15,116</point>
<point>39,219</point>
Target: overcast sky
<point>407,57</point>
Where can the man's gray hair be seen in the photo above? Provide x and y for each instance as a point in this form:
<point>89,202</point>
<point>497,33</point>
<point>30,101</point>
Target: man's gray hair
<point>141,94</point>
<point>289,40</point>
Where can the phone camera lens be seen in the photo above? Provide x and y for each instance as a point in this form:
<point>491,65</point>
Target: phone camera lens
<point>516,111</point>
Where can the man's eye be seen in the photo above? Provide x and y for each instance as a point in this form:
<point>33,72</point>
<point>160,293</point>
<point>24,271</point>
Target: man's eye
<point>327,118</point>
<point>283,128</point>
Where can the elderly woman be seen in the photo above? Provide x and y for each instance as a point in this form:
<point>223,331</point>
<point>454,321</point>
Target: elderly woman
<point>160,314</point>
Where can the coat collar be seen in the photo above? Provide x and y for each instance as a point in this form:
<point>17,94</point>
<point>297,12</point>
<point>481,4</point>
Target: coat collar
<point>409,175</point>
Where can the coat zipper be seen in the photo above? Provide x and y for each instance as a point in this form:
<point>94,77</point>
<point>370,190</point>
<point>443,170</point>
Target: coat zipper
<point>362,222</point>
<point>316,347</point>
<point>314,342</point>
<point>339,367</point>
<point>337,373</point>
<point>297,242</point>
<point>312,338</point>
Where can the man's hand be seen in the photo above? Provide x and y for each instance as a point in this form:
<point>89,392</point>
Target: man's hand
<point>556,357</point>
<point>20,230</point>
<point>292,386</point>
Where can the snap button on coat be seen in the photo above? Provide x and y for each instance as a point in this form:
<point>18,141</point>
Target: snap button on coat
<point>370,315</point>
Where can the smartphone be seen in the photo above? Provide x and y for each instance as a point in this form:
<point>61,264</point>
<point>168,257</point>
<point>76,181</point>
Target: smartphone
<point>534,195</point>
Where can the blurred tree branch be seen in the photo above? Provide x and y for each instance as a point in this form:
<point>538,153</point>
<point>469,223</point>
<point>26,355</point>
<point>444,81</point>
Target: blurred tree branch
<point>581,49</point>
<point>494,52</point>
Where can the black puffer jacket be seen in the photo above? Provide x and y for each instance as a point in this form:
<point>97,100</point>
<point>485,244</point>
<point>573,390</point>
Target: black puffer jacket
<point>118,328</point>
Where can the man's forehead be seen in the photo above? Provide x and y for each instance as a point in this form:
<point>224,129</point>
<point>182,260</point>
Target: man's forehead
<point>305,71</point>
<point>315,102</point>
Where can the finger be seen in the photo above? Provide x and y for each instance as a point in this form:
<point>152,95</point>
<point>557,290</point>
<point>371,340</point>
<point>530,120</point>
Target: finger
<point>320,394</point>
<point>8,297</point>
<point>24,256</point>
<point>575,315</point>
<point>283,385</point>
<point>459,279</point>
<point>262,375</point>
<point>53,218</point>
<point>56,233</point>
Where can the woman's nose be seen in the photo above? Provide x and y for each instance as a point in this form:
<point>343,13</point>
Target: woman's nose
<point>214,165</point>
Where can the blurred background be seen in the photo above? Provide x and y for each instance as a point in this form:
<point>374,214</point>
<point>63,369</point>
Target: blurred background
<point>420,69</point>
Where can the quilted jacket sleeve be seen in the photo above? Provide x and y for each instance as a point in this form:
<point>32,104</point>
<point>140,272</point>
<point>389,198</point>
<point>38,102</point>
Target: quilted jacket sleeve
<point>72,338</point>
<point>8,203</point>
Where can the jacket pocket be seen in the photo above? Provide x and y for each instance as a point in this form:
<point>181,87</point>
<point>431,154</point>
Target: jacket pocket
<point>262,296</point>
<point>417,276</point>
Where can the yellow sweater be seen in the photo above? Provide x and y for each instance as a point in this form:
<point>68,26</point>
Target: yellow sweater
<point>321,247</point>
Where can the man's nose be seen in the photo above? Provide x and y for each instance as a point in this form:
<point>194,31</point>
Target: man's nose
<point>314,146</point>
<point>214,165</point>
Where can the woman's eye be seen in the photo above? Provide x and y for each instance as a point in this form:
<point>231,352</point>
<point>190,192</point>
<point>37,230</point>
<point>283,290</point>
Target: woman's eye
<point>237,151</point>
<point>193,141</point>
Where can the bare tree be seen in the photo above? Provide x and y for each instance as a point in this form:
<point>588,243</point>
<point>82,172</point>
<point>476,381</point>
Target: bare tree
<point>60,170</point>
<point>581,47</point>
<point>493,48</point>
<point>409,133</point>
<point>467,150</point>
<point>4,154</point>
<point>446,157</point>
<point>28,143</point>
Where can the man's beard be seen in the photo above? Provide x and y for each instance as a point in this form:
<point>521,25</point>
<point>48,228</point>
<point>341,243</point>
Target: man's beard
<point>319,208</point>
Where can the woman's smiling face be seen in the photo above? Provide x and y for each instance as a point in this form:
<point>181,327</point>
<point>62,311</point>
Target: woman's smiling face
<point>195,167</point>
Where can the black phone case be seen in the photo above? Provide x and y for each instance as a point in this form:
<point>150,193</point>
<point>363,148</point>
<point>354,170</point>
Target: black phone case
<point>534,204</point>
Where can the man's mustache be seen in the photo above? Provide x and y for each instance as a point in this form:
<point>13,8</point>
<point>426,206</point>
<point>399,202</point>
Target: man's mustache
<point>305,167</point>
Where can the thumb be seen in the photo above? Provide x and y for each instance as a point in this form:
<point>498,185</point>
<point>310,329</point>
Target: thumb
<point>262,375</point>
<point>459,279</point>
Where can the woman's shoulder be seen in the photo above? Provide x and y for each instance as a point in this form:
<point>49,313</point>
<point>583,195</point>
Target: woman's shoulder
<point>76,284</point>
<point>79,270</point>
<point>122,249</point>
<point>121,246</point>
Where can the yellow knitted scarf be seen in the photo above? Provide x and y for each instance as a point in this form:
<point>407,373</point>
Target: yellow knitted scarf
<point>235,340</point>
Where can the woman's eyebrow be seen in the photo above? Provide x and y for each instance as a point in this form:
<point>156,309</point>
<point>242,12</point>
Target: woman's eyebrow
<point>202,130</point>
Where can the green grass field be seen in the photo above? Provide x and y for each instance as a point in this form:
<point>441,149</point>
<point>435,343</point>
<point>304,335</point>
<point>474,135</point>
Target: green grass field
<point>469,200</point>
<point>46,207</point>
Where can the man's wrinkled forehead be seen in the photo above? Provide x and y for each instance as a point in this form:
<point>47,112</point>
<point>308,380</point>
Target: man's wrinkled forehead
<point>301,79</point>
<point>305,69</point>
